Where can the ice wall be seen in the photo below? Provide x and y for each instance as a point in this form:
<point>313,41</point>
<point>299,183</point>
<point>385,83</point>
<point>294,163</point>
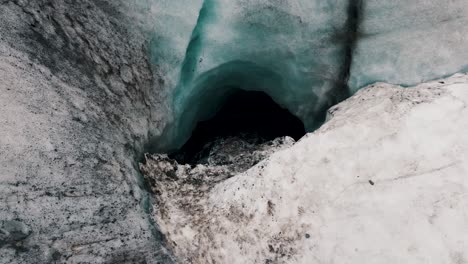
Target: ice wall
<point>409,42</point>
<point>306,54</point>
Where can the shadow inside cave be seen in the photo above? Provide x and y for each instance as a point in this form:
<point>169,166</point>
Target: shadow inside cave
<point>250,115</point>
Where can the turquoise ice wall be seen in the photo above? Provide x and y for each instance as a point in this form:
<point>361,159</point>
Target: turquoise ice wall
<point>306,54</point>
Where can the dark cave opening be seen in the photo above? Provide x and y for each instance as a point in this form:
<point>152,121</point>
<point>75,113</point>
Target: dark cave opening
<point>251,115</point>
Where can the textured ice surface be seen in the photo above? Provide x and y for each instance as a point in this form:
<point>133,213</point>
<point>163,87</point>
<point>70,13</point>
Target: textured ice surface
<point>305,54</point>
<point>408,42</point>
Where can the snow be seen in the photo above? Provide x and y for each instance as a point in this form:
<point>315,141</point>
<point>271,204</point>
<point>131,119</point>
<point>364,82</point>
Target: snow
<point>383,181</point>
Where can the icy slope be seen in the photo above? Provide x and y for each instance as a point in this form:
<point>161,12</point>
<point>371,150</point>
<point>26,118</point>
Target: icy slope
<point>383,181</point>
<point>78,103</point>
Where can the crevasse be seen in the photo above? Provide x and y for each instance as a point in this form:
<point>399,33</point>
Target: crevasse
<point>306,54</point>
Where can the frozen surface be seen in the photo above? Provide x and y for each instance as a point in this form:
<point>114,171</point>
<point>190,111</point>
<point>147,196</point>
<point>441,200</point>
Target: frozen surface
<point>77,106</point>
<point>307,55</point>
<point>383,181</point>
<point>409,42</point>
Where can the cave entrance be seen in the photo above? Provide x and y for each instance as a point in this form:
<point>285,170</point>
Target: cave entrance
<point>252,115</point>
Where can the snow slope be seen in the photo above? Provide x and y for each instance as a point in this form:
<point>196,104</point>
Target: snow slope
<point>385,180</point>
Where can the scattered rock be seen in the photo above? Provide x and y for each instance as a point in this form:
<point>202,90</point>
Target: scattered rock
<point>12,232</point>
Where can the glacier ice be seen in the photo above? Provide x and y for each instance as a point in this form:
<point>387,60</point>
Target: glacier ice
<point>409,42</point>
<point>306,54</point>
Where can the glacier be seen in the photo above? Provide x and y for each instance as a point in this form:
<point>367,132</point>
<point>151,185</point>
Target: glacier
<point>86,85</point>
<point>307,55</point>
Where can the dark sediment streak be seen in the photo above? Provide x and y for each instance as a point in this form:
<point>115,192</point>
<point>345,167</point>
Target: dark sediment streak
<point>349,37</point>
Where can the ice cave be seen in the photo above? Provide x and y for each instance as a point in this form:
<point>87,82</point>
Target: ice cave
<point>250,115</point>
<point>233,131</point>
<point>305,55</point>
